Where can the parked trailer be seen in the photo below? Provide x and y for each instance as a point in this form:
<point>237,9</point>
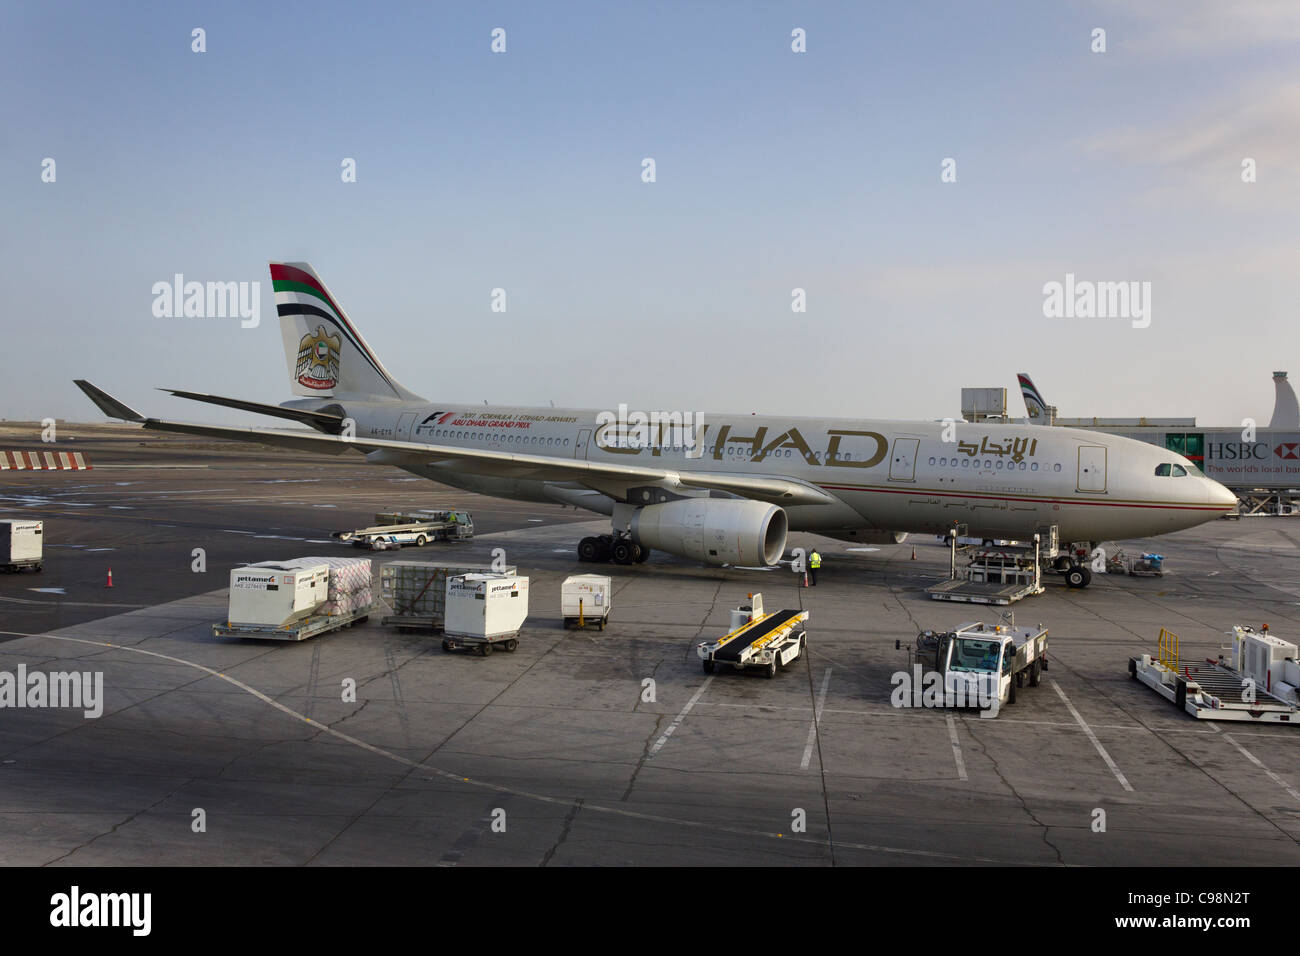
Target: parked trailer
<point>982,665</point>
<point>586,599</point>
<point>298,598</point>
<point>21,545</point>
<point>1256,680</point>
<point>757,641</point>
<point>485,610</point>
<point>298,630</point>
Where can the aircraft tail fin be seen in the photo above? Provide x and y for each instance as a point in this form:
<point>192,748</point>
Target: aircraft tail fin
<point>1039,413</point>
<point>326,355</point>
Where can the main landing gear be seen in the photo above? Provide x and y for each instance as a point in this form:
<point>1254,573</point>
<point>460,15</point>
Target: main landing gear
<point>606,547</point>
<point>1076,574</point>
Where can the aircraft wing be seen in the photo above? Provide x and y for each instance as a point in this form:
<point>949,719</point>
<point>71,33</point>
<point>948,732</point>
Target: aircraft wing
<point>605,477</point>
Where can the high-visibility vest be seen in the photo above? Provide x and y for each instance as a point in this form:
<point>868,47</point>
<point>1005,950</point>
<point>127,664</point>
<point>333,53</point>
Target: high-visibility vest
<point>815,561</point>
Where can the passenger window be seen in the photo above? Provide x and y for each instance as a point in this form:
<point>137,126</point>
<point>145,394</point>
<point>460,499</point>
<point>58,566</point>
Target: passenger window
<point>1179,471</point>
<point>1162,471</point>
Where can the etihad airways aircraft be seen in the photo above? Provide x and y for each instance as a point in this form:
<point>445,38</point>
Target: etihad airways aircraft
<point>718,488</point>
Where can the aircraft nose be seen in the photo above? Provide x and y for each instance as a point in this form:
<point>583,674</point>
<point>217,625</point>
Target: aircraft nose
<point>1220,496</point>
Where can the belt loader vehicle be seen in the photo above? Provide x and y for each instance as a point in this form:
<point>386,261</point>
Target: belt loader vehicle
<point>757,641</point>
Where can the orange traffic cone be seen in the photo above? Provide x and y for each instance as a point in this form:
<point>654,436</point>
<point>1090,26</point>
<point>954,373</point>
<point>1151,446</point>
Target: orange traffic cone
<point>110,578</point>
<point>805,579</point>
<point>913,552</point>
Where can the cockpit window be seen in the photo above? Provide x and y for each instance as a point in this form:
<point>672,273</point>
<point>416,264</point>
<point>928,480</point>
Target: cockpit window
<point>1179,471</point>
<point>1162,471</point>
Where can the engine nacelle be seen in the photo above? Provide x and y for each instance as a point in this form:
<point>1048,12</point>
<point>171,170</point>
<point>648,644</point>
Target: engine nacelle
<point>714,530</point>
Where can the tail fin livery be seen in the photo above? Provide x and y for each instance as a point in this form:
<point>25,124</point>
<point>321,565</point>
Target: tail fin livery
<point>1034,404</point>
<point>326,355</point>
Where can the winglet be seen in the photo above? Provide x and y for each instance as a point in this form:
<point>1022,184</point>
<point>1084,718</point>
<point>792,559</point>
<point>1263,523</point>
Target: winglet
<point>107,404</point>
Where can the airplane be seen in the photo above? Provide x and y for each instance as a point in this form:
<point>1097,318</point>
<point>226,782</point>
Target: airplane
<point>1040,413</point>
<point>727,490</point>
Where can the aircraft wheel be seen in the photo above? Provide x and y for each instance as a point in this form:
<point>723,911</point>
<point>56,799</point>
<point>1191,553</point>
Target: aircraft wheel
<point>589,549</point>
<point>623,551</point>
<point>642,554</point>
<point>1077,577</point>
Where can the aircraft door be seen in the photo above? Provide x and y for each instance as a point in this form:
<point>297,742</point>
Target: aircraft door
<point>404,425</point>
<point>1092,468</point>
<point>902,466</point>
<point>580,446</point>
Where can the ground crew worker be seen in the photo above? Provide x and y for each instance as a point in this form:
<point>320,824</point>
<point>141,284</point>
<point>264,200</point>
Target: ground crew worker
<point>814,562</point>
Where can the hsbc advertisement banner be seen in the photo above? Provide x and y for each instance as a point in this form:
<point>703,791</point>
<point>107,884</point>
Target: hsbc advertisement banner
<point>1270,459</point>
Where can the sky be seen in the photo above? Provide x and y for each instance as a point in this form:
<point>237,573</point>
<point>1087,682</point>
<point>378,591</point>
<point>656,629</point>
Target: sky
<point>775,170</point>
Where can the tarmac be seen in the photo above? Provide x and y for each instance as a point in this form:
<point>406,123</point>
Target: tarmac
<point>590,747</point>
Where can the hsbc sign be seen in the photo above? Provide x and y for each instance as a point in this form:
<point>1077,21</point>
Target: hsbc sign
<point>1289,450</point>
<point>1240,451</point>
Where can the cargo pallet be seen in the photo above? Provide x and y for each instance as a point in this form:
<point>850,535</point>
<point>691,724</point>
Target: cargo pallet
<point>297,630</point>
<point>1208,691</point>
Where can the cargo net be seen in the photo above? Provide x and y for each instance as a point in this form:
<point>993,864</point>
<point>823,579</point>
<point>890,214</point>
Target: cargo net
<point>351,585</point>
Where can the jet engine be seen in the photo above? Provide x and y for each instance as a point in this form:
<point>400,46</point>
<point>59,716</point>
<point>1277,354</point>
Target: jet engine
<point>714,530</point>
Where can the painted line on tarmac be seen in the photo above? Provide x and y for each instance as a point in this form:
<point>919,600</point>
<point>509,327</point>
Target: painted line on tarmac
<point>1260,764</point>
<point>956,748</point>
<point>539,797</point>
<point>1123,781</point>
<point>817,719</point>
<point>677,721</point>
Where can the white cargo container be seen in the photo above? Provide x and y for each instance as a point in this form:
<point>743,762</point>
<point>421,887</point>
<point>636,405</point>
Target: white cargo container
<point>274,595</point>
<point>20,544</point>
<point>483,609</point>
<point>586,597</point>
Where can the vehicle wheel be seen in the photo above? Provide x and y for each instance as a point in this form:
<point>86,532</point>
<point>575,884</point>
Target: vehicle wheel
<point>642,554</point>
<point>708,667</point>
<point>446,645</point>
<point>1011,695</point>
<point>1075,577</point>
<point>39,568</point>
<point>485,648</point>
<point>420,541</point>
<point>511,645</point>
<point>623,551</point>
<point>602,623</point>
<point>589,549</point>
<point>1035,673</point>
<point>771,670</point>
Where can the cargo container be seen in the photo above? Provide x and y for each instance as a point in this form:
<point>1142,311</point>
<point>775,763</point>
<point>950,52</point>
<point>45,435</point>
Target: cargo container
<point>485,609</point>
<point>416,591</point>
<point>20,545</point>
<point>586,598</point>
<point>273,595</point>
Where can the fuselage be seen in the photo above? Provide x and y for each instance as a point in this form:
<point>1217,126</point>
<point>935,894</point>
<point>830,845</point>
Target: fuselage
<point>1000,480</point>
